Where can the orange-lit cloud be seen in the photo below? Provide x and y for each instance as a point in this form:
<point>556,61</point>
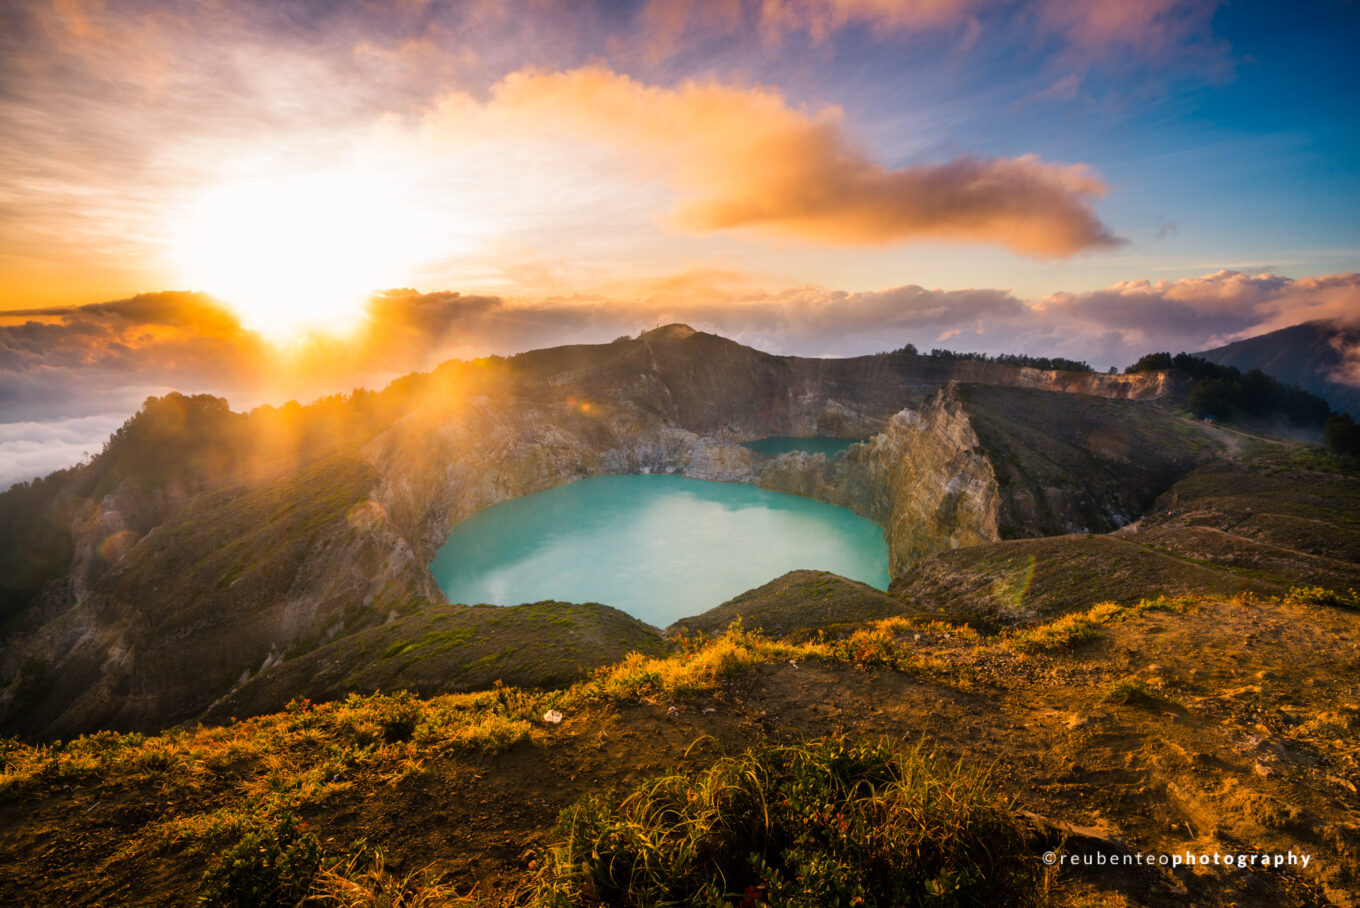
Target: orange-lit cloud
<point>744,158</point>
<point>97,358</point>
<point>67,376</point>
<point>92,359</point>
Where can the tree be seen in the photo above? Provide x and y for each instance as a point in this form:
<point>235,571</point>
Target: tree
<point>1151,362</point>
<point>1342,435</point>
<point>1214,397</point>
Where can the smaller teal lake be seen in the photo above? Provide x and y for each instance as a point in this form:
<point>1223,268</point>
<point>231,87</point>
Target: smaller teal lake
<point>785,444</point>
<point>658,547</point>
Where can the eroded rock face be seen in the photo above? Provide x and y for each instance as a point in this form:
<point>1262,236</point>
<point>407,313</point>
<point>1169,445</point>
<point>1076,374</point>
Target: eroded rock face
<point>939,483</point>
<point>977,464</point>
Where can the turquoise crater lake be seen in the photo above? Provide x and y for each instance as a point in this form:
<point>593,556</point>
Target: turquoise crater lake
<point>658,547</point>
<point>787,444</point>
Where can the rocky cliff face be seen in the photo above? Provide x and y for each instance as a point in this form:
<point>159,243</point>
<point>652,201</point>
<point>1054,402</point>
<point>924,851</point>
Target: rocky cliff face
<point>978,463</point>
<point>179,594</point>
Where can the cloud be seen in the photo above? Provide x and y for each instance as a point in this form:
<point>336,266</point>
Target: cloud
<point>66,362</point>
<point>123,115</point>
<point>1107,327</point>
<point>823,17</point>
<point>1154,28</point>
<point>31,449</point>
<point>1213,309</point>
<point>174,334</point>
<point>1347,343</point>
<point>743,158</point>
<point>1195,313</point>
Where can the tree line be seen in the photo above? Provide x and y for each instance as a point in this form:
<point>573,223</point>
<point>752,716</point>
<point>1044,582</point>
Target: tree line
<point>1048,363</point>
<point>1225,392</point>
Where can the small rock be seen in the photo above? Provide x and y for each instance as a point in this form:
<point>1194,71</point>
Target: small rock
<point>552,717</point>
<point>1264,771</point>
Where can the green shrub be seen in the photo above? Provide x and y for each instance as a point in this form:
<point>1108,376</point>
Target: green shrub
<point>1319,595</point>
<point>816,825</point>
<point>271,866</point>
<point>400,718</point>
<point>1066,633</point>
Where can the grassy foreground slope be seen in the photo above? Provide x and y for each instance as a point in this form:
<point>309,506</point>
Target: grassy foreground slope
<point>1206,724</point>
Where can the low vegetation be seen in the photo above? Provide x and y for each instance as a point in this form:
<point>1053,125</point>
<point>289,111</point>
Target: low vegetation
<point>1078,628</point>
<point>242,786</point>
<point>821,824</point>
<point>1132,692</point>
<point>271,865</point>
<point>1318,595</point>
<point>365,881</point>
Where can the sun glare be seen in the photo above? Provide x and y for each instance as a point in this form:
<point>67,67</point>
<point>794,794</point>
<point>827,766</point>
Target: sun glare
<point>300,253</point>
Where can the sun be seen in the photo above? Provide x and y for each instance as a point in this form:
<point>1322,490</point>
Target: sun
<point>300,252</point>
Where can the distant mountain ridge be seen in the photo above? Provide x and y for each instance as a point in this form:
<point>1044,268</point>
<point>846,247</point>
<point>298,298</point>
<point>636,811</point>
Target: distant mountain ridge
<point>1309,355</point>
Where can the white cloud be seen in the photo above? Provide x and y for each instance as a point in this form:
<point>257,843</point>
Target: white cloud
<point>29,449</point>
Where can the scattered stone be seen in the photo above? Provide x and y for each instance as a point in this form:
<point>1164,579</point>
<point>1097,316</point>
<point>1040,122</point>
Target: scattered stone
<point>552,717</point>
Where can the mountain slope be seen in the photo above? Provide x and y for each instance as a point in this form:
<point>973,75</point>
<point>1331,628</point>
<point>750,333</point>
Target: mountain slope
<point>1225,528</point>
<point>1311,355</point>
